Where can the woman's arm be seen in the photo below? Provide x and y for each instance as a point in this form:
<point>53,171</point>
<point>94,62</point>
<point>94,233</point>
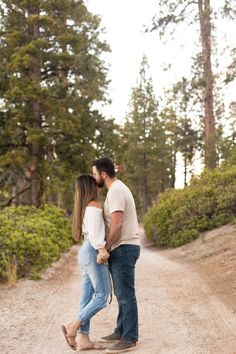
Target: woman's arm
<point>96,230</point>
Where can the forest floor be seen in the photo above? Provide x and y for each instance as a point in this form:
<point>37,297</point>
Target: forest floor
<point>186,298</point>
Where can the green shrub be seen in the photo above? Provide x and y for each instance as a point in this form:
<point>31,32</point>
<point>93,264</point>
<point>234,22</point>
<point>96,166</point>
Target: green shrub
<point>179,215</point>
<point>33,238</point>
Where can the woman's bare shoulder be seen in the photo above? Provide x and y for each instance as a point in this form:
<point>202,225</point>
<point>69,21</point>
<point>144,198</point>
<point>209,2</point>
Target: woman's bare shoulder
<point>95,204</point>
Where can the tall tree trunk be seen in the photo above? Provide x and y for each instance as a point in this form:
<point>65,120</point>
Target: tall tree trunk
<point>185,169</point>
<point>185,100</point>
<point>13,192</point>
<point>209,120</point>
<point>145,194</point>
<point>35,112</point>
<point>173,170</point>
<point>185,149</point>
<point>145,169</point>
<point>35,177</point>
<point>145,184</point>
<point>162,183</point>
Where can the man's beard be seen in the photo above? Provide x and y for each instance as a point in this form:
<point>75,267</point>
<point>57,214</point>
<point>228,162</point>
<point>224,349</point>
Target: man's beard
<point>100,183</point>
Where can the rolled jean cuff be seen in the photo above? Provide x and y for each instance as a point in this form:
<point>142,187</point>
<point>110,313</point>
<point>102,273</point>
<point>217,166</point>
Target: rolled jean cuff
<point>81,330</point>
<point>81,321</point>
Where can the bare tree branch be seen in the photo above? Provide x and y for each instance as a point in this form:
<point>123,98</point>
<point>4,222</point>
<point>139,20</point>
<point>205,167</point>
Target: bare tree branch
<point>8,203</point>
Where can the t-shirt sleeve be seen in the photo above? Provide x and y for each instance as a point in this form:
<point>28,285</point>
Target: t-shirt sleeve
<point>116,200</point>
<point>96,228</point>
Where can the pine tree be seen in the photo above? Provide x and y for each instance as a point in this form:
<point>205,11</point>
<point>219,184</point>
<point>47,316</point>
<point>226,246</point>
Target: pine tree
<point>51,75</point>
<point>170,123</point>
<point>144,150</point>
<point>173,13</point>
<point>188,136</point>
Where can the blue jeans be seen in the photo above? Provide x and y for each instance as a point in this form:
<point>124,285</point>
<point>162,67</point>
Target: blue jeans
<point>96,285</point>
<point>122,267</point>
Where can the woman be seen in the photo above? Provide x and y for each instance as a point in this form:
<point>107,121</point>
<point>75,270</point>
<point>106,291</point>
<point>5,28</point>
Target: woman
<point>96,288</point>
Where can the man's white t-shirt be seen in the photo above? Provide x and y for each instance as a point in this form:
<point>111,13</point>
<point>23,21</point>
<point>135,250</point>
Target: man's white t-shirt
<point>119,198</point>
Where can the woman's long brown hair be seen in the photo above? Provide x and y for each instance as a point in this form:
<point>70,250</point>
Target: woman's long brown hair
<point>85,192</point>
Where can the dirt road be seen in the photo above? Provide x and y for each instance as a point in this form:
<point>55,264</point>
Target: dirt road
<point>178,312</point>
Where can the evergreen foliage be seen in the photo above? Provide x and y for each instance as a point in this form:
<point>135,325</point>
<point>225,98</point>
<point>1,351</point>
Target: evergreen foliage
<point>51,75</point>
<point>179,215</point>
<point>32,238</point>
<point>145,155</point>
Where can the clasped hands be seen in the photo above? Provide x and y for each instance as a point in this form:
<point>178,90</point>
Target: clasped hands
<point>102,256</point>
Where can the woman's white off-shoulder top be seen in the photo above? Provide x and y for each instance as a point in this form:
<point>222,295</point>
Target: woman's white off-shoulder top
<point>93,227</point>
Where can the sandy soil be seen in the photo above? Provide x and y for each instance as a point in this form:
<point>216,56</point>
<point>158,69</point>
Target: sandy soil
<point>181,308</point>
<point>213,255</point>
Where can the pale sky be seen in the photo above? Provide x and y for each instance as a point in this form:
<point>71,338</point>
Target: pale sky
<point>124,22</point>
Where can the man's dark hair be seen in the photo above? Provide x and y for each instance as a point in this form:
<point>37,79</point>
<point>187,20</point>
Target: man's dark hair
<point>105,164</point>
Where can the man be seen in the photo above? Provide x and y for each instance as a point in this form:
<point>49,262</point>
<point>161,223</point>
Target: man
<point>124,247</point>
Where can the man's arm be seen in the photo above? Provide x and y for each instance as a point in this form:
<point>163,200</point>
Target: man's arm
<point>115,229</point>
